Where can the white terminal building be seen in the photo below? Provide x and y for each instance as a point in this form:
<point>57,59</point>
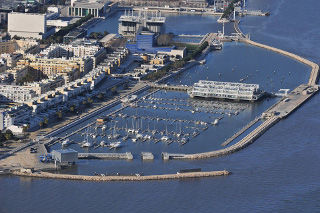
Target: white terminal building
<point>85,7</point>
<point>226,90</point>
<point>29,25</point>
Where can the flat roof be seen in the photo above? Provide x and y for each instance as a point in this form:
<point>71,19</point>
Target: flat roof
<point>107,38</point>
<point>91,4</point>
<point>65,150</point>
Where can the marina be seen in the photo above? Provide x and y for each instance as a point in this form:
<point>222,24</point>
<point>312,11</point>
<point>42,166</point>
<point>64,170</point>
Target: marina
<point>152,120</point>
<point>276,173</point>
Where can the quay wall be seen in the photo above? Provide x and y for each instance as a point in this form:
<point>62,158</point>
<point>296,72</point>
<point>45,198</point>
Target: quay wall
<point>125,178</point>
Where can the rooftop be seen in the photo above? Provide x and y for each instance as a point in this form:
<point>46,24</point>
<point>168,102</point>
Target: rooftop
<point>97,4</point>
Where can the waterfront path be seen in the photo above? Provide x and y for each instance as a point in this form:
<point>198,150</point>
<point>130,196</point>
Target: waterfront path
<point>125,178</point>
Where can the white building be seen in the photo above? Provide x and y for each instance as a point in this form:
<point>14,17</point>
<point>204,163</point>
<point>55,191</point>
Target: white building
<point>85,7</point>
<point>13,93</point>
<point>60,50</point>
<point>29,25</point>
<point>58,24</point>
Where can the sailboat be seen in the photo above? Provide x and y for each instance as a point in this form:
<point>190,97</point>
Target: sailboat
<point>165,137</point>
<point>86,143</point>
<point>179,134</point>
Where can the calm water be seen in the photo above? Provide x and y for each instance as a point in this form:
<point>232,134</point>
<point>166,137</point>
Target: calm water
<point>278,173</point>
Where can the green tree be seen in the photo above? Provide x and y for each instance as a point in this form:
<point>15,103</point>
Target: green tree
<point>72,108</point>
<point>24,129</point>
<point>8,135</point>
<point>59,115</point>
<point>40,124</point>
<point>101,96</point>
<point>45,121</point>
<point>90,101</point>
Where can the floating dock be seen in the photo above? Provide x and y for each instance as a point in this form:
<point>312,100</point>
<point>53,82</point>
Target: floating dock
<point>106,156</point>
<point>147,156</point>
<point>171,87</point>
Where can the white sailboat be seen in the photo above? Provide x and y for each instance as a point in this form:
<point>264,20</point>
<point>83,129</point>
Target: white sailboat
<point>86,143</point>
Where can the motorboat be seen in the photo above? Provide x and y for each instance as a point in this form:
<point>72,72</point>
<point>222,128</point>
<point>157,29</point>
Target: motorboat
<point>216,121</point>
<point>130,130</point>
<point>117,144</point>
<point>103,143</point>
<point>139,136</point>
<point>148,137</point>
<point>66,142</point>
<point>165,138</point>
<point>184,140</point>
<point>86,144</point>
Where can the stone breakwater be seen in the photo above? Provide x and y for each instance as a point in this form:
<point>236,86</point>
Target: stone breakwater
<point>125,178</point>
<point>314,75</point>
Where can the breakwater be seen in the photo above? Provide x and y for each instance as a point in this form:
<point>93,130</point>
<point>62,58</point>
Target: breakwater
<point>314,75</point>
<point>125,178</point>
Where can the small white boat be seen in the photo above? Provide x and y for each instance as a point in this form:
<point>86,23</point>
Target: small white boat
<point>117,144</point>
<point>103,143</point>
<point>130,130</point>
<point>154,132</point>
<point>139,136</point>
<point>216,121</point>
<point>66,142</point>
<point>134,140</point>
<point>184,140</point>
<point>116,136</point>
<point>87,144</point>
<point>104,127</point>
<point>125,138</point>
<point>148,137</point>
<point>165,138</point>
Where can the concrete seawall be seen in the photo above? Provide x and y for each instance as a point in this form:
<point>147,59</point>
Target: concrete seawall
<point>247,140</point>
<point>125,178</point>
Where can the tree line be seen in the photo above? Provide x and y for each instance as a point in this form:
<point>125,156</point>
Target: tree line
<point>177,64</point>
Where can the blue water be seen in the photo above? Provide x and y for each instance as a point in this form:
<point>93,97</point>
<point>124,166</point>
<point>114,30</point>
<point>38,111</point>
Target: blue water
<point>278,173</point>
